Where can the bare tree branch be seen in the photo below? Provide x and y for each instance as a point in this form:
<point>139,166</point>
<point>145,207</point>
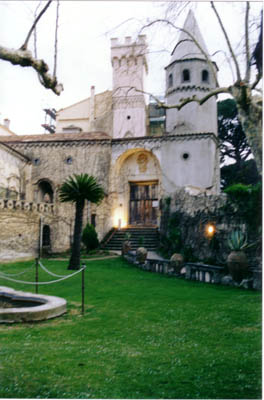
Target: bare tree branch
<point>56,39</point>
<point>258,79</point>
<point>247,78</point>
<point>227,41</point>
<point>24,58</point>
<point>24,46</point>
<point>183,101</point>
<point>35,32</point>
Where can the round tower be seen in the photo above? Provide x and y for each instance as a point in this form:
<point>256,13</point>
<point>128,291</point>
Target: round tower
<point>189,74</point>
<point>129,69</point>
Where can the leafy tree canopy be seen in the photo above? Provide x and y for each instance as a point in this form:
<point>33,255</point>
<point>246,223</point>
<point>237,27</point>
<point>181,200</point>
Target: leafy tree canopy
<point>246,173</point>
<point>233,141</point>
<point>81,187</point>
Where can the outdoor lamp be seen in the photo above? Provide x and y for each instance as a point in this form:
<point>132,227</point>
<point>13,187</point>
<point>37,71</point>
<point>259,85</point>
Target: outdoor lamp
<point>209,230</point>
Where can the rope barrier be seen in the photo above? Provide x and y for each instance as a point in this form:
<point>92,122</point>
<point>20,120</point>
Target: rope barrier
<point>49,272</point>
<point>42,283</point>
<point>19,273</point>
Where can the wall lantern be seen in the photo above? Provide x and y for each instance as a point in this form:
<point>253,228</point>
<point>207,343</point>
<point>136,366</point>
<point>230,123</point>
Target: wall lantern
<point>210,230</point>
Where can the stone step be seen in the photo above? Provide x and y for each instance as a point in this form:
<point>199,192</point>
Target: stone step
<point>150,238</point>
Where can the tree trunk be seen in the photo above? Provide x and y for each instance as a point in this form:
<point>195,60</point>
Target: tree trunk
<point>77,236</point>
<point>250,115</point>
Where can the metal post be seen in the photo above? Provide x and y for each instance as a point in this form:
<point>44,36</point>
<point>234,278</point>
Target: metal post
<point>37,261</point>
<point>40,236</point>
<point>83,266</point>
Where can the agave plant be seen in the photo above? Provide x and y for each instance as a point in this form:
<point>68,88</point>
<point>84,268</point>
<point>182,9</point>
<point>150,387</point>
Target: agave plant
<point>237,241</point>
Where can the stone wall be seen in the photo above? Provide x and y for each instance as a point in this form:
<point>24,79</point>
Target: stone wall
<point>19,228</point>
<point>192,214</point>
<point>54,162</point>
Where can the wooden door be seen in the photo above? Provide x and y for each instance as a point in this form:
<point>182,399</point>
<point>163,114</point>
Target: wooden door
<point>143,205</point>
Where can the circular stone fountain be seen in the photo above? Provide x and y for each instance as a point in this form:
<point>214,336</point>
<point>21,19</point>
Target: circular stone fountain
<point>17,306</point>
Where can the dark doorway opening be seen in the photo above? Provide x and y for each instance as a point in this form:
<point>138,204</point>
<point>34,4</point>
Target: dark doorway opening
<point>46,236</point>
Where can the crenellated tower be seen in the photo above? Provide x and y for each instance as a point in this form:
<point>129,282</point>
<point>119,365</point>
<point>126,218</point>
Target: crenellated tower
<point>129,69</point>
<point>190,74</point>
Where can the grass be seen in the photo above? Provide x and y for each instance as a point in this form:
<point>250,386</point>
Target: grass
<point>143,335</point>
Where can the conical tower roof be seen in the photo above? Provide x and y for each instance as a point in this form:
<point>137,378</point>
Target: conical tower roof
<point>186,48</point>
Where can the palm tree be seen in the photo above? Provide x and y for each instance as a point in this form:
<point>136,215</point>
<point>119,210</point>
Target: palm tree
<point>77,189</point>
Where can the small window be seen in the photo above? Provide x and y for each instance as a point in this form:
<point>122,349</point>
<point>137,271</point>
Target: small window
<point>205,75</point>
<point>36,161</point>
<point>185,156</point>
<point>128,117</point>
<point>69,160</point>
<point>170,80</point>
<point>186,75</point>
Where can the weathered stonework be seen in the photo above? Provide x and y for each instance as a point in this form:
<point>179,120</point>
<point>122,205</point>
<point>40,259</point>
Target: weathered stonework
<point>19,230</point>
<point>193,214</point>
<point>105,136</point>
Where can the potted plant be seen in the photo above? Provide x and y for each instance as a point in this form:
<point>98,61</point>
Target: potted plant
<point>237,261</point>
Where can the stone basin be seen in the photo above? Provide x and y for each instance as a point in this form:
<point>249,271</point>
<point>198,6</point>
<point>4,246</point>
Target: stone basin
<point>28,307</point>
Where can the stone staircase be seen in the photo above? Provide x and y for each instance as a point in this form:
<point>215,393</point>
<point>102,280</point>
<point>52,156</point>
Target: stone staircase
<point>150,238</point>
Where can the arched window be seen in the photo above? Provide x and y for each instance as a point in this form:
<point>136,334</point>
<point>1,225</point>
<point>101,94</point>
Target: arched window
<point>186,76</point>
<point>205,75</point>
<point>44,192</point>
<point>170,80</point>
<point>46,235</point>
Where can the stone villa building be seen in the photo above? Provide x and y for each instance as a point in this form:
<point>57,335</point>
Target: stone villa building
<point>137,153</point>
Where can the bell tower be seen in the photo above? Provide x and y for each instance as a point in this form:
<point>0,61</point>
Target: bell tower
<point>129,69</point>
<point>190,74</point>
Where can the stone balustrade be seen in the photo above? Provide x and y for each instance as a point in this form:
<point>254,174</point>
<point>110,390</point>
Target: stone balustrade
<point>192,271</point>
<point>196,271</point>
<point>204,272</point>
<point>10,204</point>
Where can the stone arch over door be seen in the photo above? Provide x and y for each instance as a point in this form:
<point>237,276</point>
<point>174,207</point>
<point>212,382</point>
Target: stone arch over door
<point>137,188</point>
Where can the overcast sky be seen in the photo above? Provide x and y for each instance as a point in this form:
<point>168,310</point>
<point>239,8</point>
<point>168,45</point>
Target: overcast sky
<point>85,29</point>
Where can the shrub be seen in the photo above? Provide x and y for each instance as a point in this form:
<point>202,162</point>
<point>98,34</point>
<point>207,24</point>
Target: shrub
<point>245,201</point>
<point>89,238</point>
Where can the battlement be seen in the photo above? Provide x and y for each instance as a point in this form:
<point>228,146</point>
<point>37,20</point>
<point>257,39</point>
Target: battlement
<point>8,204</point>
<point>141,40</point>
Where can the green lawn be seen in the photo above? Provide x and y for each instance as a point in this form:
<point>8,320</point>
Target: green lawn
<point>143,335</point>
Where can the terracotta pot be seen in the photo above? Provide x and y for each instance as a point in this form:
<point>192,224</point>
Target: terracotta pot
<point>141,255</point>
<point>237,265</point>
<point>176,262</point>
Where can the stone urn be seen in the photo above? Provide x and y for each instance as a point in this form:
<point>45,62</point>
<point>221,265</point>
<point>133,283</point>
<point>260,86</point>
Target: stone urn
<point>141,255</point>
<point>126,247</point>
<point>237,263</point>
<point>176,262</point>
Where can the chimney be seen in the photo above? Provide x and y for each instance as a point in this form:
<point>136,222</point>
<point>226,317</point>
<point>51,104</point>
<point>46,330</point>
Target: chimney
<point>7,123</point>
<point>92,104</point>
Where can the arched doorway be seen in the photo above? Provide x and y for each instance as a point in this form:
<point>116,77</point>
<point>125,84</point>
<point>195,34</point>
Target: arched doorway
<point>137,188</point>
